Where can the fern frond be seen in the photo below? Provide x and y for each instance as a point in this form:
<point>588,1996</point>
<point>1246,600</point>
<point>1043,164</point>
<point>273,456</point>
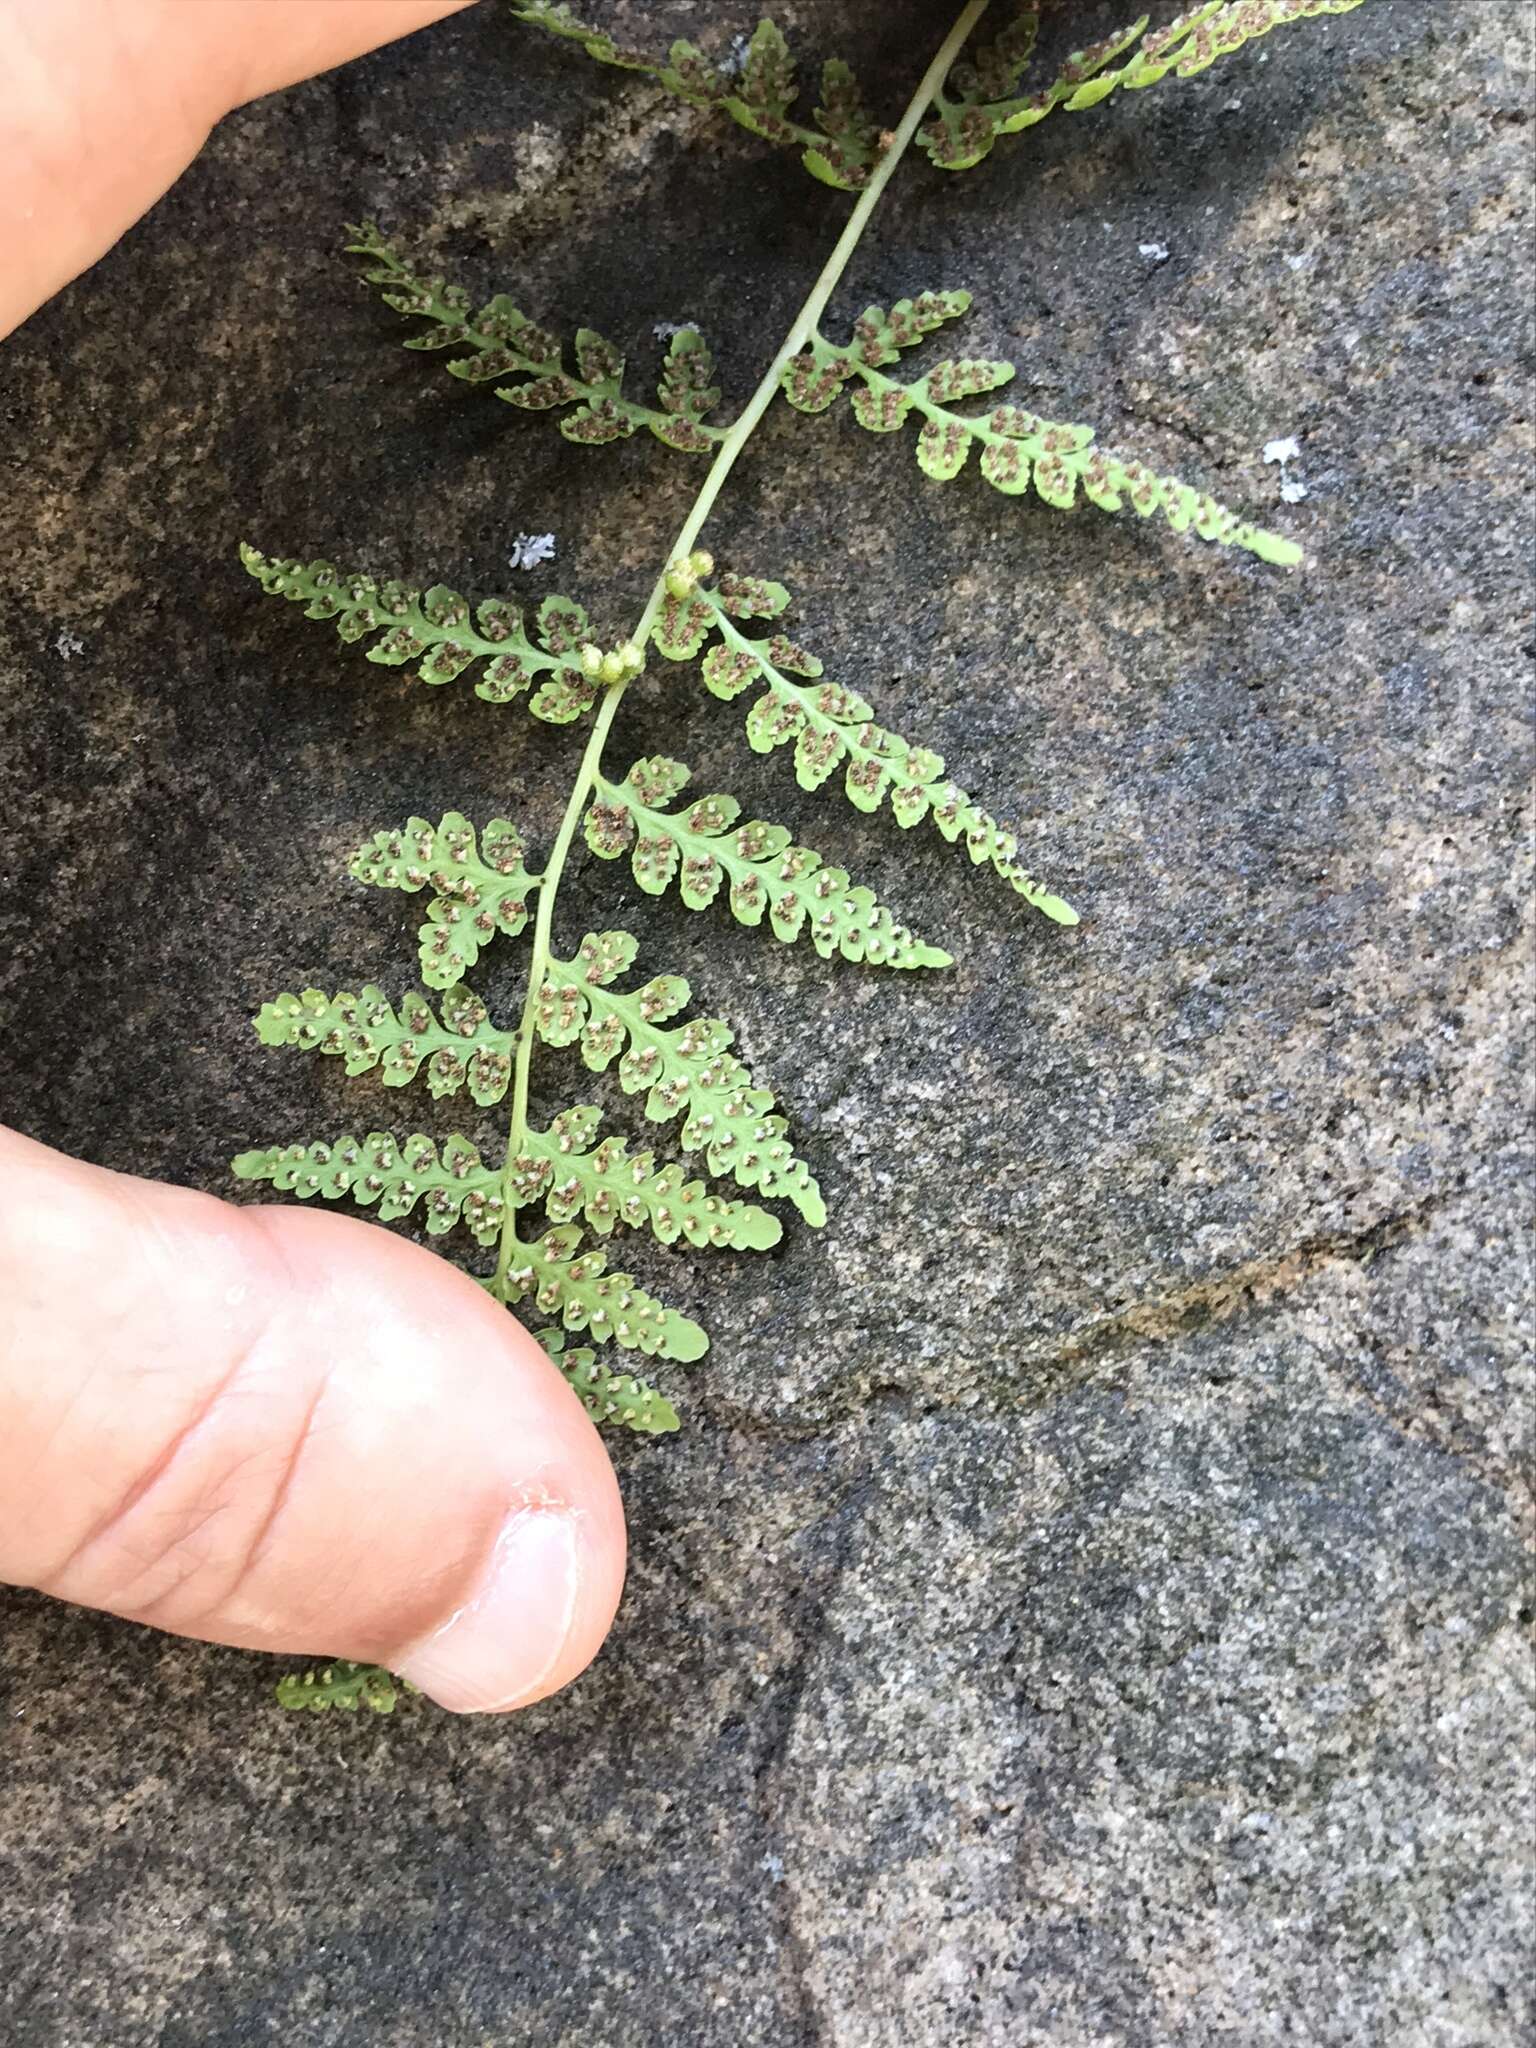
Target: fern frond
<point>463,1050</point>
<point>395,1173</point>
<point>704,847</point>
<point>685,1070</point>
<point>480,890</point>
<point>342,1685</point>
<point>979,105</point>
<point>1016,447</point>
<point>577,1286</point>
<point>607,1184</point>
<point>831,727</point>
<point>842,148</point>
<point>610,1397</point>
<point>503,341</point>
<point>547,1204</point>
<point>434,629</point>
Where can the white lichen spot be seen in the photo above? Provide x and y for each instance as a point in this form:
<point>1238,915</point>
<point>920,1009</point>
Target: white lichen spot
<point>734,62</point>
<point>1154,252</point>
<point>1300,261</point>
<point>67,644</point>
<point>1286,451</point>
<point>530,549</point>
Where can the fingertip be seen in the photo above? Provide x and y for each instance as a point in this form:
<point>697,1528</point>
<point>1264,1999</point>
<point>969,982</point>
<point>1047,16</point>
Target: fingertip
<point>516,1526</point>
<point>528,1627</point>
<point>293,1431</point>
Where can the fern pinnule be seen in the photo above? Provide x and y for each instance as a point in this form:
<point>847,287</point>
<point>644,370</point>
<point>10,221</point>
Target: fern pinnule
<point>502,341</point>
<point>705,847</point>
<point>979,103</point>
<point>1016,447</point>
<point>458,1045</point>
<point>990,71</point>
<point>755,88</point>
<point>480,889</point>
<point>342,1686</point>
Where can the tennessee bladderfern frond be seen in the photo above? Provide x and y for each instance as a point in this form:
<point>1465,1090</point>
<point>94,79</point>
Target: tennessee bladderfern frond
<point>542,1203</point>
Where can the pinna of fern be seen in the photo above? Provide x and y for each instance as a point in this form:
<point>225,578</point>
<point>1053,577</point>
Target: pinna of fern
<point>342,1687</point>
<point>755,88</point>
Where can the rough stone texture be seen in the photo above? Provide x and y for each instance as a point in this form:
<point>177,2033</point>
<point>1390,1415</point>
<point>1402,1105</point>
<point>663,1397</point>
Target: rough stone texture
<point>1084,1608</point>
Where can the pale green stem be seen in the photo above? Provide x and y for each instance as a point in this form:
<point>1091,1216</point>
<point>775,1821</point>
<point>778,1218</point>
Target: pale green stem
<point>736,439</point>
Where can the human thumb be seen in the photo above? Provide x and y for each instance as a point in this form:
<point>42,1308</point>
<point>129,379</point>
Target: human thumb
<point>290,1431</point>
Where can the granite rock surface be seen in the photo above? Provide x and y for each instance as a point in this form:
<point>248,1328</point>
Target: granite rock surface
<point>1089,1603</point>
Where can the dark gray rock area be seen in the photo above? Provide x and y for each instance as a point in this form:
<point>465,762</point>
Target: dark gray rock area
<point>1088,1605</point>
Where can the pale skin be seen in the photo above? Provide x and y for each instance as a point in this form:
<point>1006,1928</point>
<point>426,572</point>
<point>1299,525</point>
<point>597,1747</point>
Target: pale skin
<point>259,1425</point>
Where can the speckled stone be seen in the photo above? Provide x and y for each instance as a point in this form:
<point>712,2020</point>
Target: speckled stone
<point>1089,1603</point>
